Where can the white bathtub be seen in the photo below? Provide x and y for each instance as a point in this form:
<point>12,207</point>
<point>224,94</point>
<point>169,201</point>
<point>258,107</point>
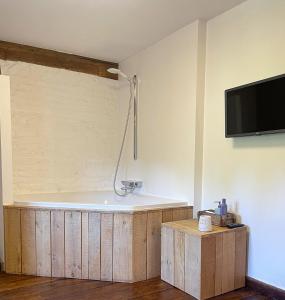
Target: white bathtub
<point>102,201</point>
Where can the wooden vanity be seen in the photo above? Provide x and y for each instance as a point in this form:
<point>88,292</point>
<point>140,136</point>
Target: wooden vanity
<point>86,244</point>
<point>203,264</point>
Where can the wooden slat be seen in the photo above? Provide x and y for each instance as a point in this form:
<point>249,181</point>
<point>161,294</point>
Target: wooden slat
<point>167,255</point>
<point>179,259</point>
<point>193,265</point>
<point>219,264</point>
<point>107,247</point>
<point>94,245</point>
<point>181,213</point>
<point>43,247</point>
<point>72,244</point>
<point>12,232</point>
<point>228,270</point>
<point>50,58</point>
<point>189,213</point>
<point>57,243</point>
<point>85,248</point>
<point>240,258</point>
<point>28,231</point>
<point>139,246</point>
<point>154,220</point>
<point>167,215</point>
<point>122,248</point>
<point>208,267</point>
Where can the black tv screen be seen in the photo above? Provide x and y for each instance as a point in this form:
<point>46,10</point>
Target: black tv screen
<point>256,108</point>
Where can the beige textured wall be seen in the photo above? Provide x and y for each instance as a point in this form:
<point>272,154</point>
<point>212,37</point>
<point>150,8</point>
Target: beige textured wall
<point>65,128</point>
<point>247,44</point>
<point>5,153</point>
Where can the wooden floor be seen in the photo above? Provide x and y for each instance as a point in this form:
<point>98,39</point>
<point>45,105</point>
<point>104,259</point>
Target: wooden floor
<point>40,288</point>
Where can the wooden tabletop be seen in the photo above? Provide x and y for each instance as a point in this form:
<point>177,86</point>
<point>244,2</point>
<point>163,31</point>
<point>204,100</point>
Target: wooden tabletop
<point>191,227</point>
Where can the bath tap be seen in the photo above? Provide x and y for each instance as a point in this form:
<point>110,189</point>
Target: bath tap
<point>130,185</point>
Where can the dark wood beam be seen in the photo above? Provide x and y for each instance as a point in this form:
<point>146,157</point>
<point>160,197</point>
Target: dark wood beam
<point>55,59</point>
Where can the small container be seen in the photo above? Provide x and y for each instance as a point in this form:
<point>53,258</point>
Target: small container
<point>205,223</point>
<point>224,207</point>
<point>218,209</point>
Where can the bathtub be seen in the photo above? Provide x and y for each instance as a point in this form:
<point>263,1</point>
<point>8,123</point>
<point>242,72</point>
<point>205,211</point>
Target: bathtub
<point>101,201</point>
<point>88,235</point>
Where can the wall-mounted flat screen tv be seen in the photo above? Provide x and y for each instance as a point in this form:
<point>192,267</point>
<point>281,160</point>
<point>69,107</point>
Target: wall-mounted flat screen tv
<point>256,108</point>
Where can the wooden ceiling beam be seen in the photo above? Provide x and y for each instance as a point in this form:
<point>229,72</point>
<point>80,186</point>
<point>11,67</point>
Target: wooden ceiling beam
<point>55,59</point>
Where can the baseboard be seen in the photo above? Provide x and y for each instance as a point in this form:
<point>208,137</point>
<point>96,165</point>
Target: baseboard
<point>265,289</point>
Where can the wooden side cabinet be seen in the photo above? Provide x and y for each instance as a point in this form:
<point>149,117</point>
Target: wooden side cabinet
<point>203,264</point>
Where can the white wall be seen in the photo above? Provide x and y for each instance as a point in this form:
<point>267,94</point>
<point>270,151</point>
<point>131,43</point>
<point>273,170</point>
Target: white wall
<point>65,128</point>
<point>244,45</point>
<point>5,153</point>
<point>167,109</point>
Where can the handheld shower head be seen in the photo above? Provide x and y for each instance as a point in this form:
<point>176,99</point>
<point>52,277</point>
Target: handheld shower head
<point>117,71</point>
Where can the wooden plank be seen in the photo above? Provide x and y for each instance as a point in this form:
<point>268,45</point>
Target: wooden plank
<point>85,247</point>
<point>180,213</point>
<point>139,246</point>
<point>43,247</point>
<point>228,269</point>
<point>50,58</point>
<point>12,233</point>
<point>179,260</point>
<point>193,265</point>
<point>28,231</point>
<point>154,220</point>
<point>208,267</point>
<point>107,247</point>
<point>189,214</point>
<point>240,258</point>
<point>72,242</point>
<point>219,264</point>
<point>94,246</point>
<point>167,254</point>
<point>122,248</point>
<point>167,215</point>
<point>57,243</point>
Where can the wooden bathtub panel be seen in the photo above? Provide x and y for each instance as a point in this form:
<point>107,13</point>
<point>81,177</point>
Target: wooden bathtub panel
<point>167,215</point>
<point>122,251</point>
<point>154,220</point>
<point>43,247</point>
<point>107,247</point>
<point>57,243</point>
<point>181,213</point>
<point>94,246</point>
<point>85,243</point>
<point>28,231</point>
<point>139,246</point>
<point>72,239</point>
<point>12,232</point>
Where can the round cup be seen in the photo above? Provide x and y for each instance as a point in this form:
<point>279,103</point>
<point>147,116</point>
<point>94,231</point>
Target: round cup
<point>205,223</point>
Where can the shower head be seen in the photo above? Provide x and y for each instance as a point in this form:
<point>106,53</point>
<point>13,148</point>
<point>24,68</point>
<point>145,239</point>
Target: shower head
<point>117,71</point>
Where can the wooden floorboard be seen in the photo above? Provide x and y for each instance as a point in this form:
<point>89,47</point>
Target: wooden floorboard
<point>14,287</point>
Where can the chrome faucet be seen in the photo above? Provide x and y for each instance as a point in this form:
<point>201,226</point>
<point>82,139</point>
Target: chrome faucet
<point>130,185</point>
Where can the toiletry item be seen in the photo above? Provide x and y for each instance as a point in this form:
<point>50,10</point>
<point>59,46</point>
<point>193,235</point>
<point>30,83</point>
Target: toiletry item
<point>224,207</point>
<point>205,223</point>
<point>218,209</point>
